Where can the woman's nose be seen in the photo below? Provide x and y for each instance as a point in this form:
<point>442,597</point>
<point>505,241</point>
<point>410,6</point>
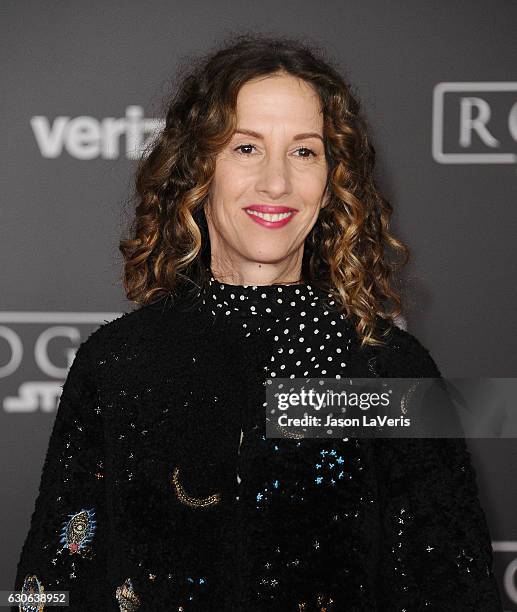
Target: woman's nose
<point>274,177</point>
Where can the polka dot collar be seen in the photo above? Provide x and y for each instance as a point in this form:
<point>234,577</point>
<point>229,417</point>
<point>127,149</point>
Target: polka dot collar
<point>275,300</point>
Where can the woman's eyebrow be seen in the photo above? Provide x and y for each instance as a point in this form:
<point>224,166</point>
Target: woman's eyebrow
<point>297,137</point>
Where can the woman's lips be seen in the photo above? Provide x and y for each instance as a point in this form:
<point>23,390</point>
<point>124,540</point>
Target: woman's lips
<point>270,216</point>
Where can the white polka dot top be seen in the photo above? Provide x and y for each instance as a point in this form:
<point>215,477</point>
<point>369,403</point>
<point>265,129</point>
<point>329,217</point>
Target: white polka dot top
<point>307,335</point>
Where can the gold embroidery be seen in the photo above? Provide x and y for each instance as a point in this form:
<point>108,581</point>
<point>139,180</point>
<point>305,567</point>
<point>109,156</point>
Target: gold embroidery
<point>127,599</point>
<point>194,502</point>
<point>34,588</point>
<point>289,434</point>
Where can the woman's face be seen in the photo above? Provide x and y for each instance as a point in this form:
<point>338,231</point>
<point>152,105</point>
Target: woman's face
<point>276,168</point>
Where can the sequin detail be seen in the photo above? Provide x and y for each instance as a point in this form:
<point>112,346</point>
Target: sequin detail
<point>189,500</point>
<point>324,604</point>
<point>78,531</point>
<point>406,398</point>
<point>31,586</point>
<point>128,600</point>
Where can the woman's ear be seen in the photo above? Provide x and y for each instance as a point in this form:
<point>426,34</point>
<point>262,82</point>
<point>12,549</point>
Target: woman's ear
<point>206,207</point>
<point>326,198</point>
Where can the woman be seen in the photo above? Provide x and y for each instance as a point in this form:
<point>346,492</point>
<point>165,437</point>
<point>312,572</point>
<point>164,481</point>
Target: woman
<point>259,249</point>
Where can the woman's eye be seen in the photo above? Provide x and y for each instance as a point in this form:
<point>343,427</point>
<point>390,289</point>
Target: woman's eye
<point>248,146</point>
<point>242,147</point>
<point>311,152</point>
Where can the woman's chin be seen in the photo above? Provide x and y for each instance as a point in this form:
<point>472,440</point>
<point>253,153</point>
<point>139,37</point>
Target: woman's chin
<point>271,258</point>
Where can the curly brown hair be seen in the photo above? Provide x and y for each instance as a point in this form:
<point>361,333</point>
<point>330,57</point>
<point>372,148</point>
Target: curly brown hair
<point>349,251</point>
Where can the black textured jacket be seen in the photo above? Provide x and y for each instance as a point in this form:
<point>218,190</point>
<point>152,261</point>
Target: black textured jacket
<point>160,490</point>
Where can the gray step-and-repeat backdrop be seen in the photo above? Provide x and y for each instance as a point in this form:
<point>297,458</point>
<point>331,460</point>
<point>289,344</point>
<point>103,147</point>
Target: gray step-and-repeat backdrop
<point>83,89</point>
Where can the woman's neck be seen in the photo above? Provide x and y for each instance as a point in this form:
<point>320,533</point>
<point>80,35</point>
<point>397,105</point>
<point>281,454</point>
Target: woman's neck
<point>260,277</point>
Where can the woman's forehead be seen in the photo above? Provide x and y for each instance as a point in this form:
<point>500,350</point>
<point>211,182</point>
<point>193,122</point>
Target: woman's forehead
<point>278,101</point>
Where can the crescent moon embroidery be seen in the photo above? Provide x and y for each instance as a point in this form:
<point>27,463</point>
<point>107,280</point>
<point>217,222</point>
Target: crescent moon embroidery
<point>193,502</point>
